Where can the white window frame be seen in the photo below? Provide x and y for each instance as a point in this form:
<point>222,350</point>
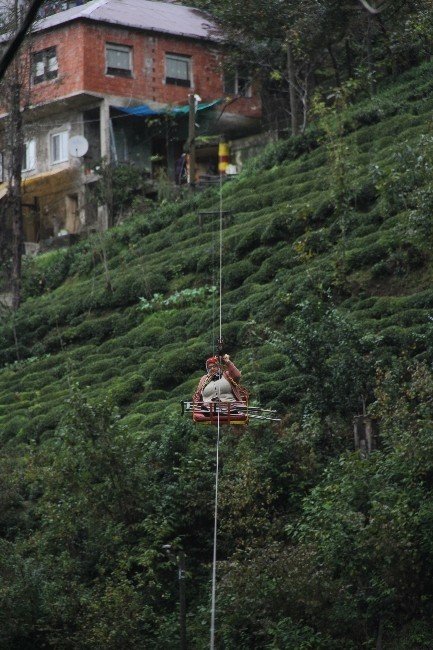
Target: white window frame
<point>178,81</point>
<point>29,156</point>
<point>246,91</point>
<point>46,64</point>
<point>114,71</point>
<point>62,137</point>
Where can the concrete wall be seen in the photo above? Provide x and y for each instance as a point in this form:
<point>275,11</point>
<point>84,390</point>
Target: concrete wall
<point>244,148</point>
<point>52,193</point>
<point>40,131</point>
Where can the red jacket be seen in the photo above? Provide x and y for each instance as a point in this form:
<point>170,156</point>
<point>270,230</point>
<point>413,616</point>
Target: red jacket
<point>231,374</point>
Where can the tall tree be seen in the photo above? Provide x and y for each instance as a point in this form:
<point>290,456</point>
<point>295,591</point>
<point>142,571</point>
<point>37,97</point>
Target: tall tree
<point>15,88</point>
<point>295,46</point>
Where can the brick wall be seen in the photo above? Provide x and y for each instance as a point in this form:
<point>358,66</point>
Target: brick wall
<point>69,42</point>
<point>81,59</point>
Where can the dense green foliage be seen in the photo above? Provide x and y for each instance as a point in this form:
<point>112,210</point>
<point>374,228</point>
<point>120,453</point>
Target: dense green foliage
<point>315,45</point>
<point>326,308</point>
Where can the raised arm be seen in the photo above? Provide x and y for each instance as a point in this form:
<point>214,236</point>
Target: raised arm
<point>231,368</point>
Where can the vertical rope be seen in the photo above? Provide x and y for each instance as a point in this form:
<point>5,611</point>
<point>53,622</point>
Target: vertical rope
<point>214,284</point>
<point>221,251</point>
<point>215,532</point>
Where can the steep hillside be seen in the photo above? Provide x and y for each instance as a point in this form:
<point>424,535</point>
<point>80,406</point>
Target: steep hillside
<point>83,320</point>
<point>327,277</point>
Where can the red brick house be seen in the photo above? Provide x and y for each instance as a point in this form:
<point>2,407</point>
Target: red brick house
<point>112,71</point>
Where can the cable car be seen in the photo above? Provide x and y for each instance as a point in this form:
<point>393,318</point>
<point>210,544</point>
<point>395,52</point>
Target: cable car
<point>220,400</point>
<point>233,413</point>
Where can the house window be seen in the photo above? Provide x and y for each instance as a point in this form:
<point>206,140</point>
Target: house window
<point>119,60</point>
<point>237,82</point>
<point>177,70</point>
<point>59,147</point>
<point>29,156</point>
<point>44,65</point>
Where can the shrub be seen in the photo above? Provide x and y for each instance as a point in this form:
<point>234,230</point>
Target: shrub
<point>174,367</point>
<point>278,152</point>
<point>272,363</point>
<point>248,242</point>
<point>123,390</point>
<point>128,287</point>
<point>235,274</point>
<point>268,391</point>
<point>276,230</point>
<point>259,254</point>
<point>14,427</point>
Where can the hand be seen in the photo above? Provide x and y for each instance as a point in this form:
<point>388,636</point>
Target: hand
<point>226,358</point>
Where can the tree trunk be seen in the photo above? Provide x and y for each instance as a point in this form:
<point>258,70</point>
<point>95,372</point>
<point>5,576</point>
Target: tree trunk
<point>370,62</point>
<point>391,57</point>
<point>292,90</point>
<point>334,65</point>
<point>349,64</point>
<point>379,635</point>
<point>15,193</point>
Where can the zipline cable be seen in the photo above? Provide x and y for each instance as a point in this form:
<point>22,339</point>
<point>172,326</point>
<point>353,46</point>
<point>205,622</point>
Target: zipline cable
<point>215,532</point>
<point>221,251</point>
<point>214,559</point>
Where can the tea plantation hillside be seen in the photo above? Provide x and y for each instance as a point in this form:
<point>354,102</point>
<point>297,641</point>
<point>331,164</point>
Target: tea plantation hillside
<point>327,303</point>
<point>82,319</point>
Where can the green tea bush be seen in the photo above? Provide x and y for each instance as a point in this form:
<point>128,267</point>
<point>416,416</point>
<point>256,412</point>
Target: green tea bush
<point>45,422</point>
<point>174,367</point>
<point>128,287</point>
<point>232,333</point>
<point>400,261</point>
<point>259,255</point>
<point>367,256</point>
<point>278,152</point>
<point>150,336</point>
<point>276,230</point>
<point>155,395</point>
<point>268,391</point>
<point>14,427</point>
<point>173,335</point>
<point>235,274</point>
<point>94,328</point>
<point>135,422</point>
<point>272,363</point>
<point>265,273</point>
<point>200,321</point>
<point>123,390</point>
<point>47,271</point>
<point>248,242</point>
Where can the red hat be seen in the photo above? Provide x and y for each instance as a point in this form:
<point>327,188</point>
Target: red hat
<point>211,362</point>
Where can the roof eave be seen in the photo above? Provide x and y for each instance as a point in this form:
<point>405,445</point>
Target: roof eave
<point>215,39</point>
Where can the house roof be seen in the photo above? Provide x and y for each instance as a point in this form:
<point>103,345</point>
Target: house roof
<point>148,15</point>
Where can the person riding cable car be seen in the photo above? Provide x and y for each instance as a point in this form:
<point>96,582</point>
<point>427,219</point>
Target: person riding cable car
<point>218,393</point>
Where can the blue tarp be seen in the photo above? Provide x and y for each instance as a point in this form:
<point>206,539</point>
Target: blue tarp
<point>145,111</point>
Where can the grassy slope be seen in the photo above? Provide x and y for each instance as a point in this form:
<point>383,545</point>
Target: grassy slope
<point>283,243</point>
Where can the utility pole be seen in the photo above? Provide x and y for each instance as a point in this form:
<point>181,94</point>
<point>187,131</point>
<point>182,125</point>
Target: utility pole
<point>191,139</point>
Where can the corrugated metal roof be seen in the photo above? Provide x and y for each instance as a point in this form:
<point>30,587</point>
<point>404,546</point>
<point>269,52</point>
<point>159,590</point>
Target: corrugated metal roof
<point>164,17</point>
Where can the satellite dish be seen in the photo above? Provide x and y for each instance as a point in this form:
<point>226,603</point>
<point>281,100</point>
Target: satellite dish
<point>78,146</point>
